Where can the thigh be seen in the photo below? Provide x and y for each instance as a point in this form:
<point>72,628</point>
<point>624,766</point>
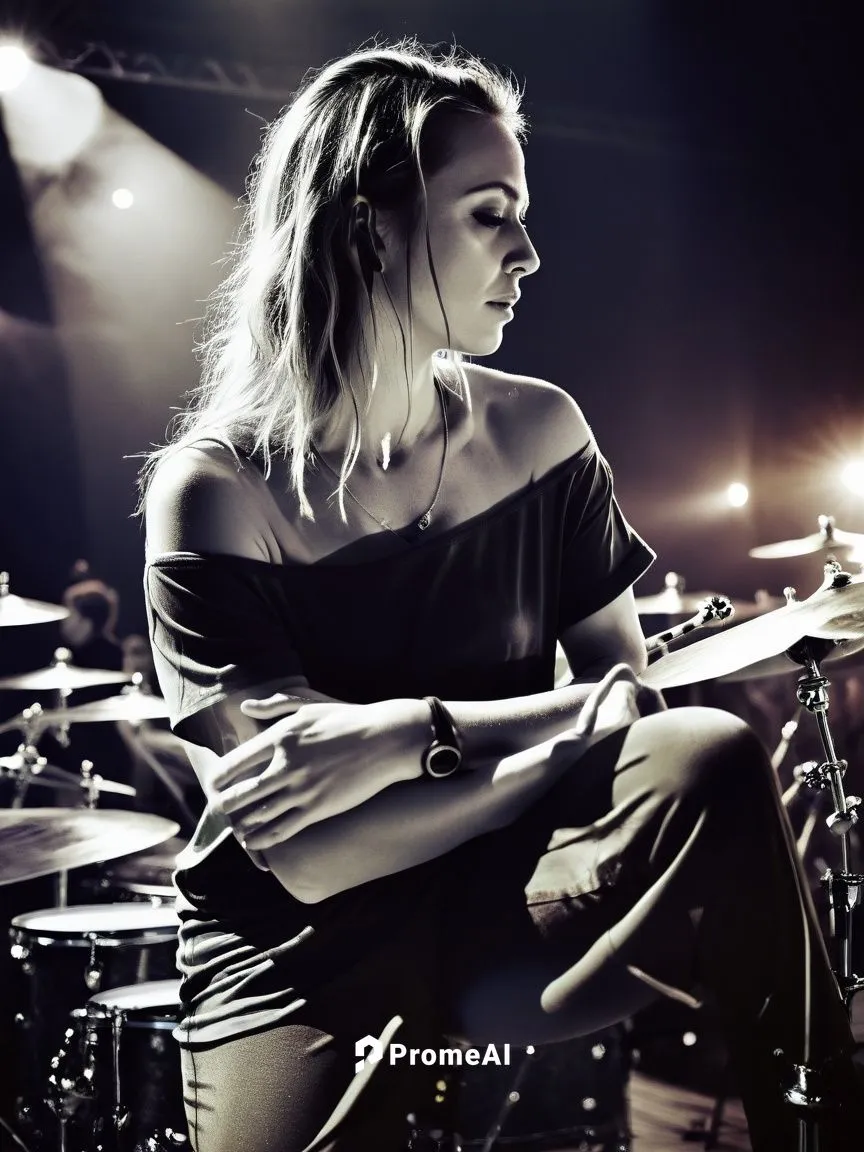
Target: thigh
<point>537,896</point>
<point>275,1091</point>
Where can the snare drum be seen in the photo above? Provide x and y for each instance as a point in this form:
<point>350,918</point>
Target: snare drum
<point>131,1064</point>
<point>66,955</point>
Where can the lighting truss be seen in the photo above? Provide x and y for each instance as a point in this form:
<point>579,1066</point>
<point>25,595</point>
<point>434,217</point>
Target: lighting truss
<point>202,74</point>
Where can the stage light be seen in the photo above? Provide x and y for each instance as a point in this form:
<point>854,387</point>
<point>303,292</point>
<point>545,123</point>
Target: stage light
<point>688,1039</point>
<point>14,66</point>
<point>122,198</point>
<point>737,494</point>
<point>853,476</point>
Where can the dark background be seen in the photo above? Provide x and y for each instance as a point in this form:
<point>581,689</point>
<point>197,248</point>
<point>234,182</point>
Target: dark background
<point>696,186</point>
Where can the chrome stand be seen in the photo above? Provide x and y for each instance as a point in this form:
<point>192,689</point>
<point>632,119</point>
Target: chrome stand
<point>805,1086</point>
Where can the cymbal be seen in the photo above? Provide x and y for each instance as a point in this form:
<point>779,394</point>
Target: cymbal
<point>827,538</point>
<point>38,841</point>
<point>63,676</point>
<point>830,613</point>
<point>15,610</point>
<point>132,706</point>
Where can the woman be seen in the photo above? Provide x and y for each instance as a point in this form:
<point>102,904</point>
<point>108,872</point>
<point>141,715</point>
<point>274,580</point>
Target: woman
<point>349,527</point>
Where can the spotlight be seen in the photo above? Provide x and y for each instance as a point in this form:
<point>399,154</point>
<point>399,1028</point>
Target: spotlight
<point>688,1039</point>
<point>853,476</point>
<point>14,66</point>
<point>737,495</point>
<point>122,198</point>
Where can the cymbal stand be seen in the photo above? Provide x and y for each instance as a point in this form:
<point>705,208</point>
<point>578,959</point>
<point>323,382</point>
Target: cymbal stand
<point>32,762</point>
<point>844,887</point>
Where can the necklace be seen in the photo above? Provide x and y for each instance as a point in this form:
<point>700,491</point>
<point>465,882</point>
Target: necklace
<point>413,530</point>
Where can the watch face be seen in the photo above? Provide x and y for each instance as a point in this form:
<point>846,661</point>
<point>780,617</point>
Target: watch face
<point>442,760</point>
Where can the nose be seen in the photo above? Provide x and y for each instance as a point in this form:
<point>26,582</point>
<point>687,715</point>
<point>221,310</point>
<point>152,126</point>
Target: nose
<point>523,259</point>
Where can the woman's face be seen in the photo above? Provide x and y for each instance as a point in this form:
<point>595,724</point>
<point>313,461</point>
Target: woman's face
<point>480,248</point>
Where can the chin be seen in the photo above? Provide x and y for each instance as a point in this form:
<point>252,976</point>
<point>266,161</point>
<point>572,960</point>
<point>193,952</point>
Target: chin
<point>481,345</point>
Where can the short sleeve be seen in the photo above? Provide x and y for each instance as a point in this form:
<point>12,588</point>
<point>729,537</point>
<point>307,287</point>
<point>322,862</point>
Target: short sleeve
<point>215,629</point>
<point>601,554</point>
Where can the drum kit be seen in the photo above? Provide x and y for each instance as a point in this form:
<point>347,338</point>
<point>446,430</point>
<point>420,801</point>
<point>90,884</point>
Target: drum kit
<point>91,989</point>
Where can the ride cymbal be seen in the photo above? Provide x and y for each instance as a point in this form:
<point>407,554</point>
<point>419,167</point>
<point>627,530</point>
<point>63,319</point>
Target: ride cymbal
<point>834,613</point>
<point>38,841</point>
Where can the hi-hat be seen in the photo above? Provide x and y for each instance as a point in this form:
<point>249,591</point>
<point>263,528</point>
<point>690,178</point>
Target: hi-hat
<point>132,706</point>
<point>833,613</point>
<point>64,676</point>
<point>38,841</point>
<point>15,610</point>
<point>827,539</point>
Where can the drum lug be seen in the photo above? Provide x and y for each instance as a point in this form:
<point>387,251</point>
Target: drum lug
<point>18,950</point>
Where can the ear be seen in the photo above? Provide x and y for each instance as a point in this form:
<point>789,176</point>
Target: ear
<point>364,240</point>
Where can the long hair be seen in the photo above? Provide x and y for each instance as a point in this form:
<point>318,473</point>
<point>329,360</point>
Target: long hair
<point>286,325</point>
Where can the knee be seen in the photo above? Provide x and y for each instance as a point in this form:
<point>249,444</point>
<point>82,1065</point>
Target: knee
<point>708,752</point>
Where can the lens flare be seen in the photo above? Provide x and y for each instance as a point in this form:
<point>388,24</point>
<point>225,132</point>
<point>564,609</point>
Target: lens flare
<point>737,494</point>
<point>853,476</point>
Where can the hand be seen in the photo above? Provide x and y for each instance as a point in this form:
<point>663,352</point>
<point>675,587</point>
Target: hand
<point>324,759</point>
<point>618,700</point>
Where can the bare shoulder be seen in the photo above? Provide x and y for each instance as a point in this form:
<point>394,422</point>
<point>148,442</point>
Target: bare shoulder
<point>202,498</point>
<point>528,419</point>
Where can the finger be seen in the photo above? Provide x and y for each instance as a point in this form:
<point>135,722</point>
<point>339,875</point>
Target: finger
<point>248,794</point>
<point>277,830</point>
<point>270,708</point>
<point>233,765</point>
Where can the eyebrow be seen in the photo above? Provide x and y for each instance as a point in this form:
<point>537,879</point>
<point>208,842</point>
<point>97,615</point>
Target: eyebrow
<point>508,190</point>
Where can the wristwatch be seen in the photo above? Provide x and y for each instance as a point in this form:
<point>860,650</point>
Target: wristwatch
<point>443,757</point>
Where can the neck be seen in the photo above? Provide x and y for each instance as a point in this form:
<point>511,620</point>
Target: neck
<point>399,414</point>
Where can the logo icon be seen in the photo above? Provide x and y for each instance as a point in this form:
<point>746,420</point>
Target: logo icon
<point>375,1052</point>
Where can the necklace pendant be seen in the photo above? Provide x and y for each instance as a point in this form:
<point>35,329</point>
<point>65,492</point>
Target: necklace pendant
<point>424,521</point>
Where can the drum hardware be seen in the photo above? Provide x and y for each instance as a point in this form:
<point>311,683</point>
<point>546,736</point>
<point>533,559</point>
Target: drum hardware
<point>826,539</point>
<point>16,611</point>
<point>826,625</point>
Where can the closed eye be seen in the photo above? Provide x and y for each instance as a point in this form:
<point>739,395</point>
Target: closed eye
<point>493,220</point>
<point>490,219</point>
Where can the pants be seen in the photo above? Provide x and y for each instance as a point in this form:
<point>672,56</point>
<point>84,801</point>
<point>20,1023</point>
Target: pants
<point>661,863</point>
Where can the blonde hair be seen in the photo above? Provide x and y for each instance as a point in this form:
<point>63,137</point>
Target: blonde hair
<point>285,322</point>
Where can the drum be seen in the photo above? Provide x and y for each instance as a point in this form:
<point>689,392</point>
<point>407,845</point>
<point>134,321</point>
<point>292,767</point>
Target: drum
<point>143,876</point>
<point>572,1094</point>
<point>65,955</point>
<point>118,1080</point>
